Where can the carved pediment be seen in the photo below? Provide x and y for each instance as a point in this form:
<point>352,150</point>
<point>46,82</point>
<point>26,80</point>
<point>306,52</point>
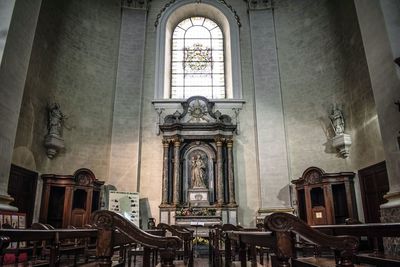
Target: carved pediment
<point>84,177</point>
<point>197,114</point>
<point>197,109</point>
<point>312,175</point>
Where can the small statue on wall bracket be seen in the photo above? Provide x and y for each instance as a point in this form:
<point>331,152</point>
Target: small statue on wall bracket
<point>340,141</point>
<point>55,122</point>
<point>337,120</point>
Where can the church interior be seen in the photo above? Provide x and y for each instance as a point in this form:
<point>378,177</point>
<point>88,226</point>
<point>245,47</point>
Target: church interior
<point>200,132</point>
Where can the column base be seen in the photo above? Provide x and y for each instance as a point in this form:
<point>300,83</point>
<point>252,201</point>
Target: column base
<point>5,201</point>
<point>391,244</point>
<point>393,201</point>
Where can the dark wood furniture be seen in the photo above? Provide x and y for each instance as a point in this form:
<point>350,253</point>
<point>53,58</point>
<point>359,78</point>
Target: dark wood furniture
<point>186,235</point>
<point>22,187</point>
<point>113,232</point>
<point>69,199</point>
<point>325,198</point>
<point>374,185</point>
<point>375,231</point>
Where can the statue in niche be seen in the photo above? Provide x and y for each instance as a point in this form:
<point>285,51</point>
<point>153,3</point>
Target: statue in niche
<point>198,171</point>
<point>337,120</point>
<point>55,120</point>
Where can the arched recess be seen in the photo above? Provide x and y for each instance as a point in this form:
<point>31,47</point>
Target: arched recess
<point>186,153</point>
<point>217,11</point>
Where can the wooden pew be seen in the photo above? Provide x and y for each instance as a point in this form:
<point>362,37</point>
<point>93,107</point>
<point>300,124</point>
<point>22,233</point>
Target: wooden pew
<point>112,231</point>
<point>115,230</point>
<point>247,242</point>
<point>53,239</point>
<point>135,250</point>
<point>281,239</point>
<point>285,225</point>
<point>186,236</point>
<point>218,242</point>
<point>373,231</point>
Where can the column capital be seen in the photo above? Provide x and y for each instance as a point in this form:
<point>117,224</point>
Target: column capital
<point>177,140</point>
<point>260,4</point>
<point>166,142</point>
<point>229,142</point>
<point>219,140</point>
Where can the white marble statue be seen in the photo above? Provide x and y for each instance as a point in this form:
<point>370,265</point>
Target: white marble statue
<point>337,120</point>
<point>55,120</point>
<point>198,171</point>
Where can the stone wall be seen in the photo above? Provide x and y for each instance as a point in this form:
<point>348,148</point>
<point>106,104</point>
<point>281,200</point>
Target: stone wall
<point>73,63</point>
<point>311,68</point>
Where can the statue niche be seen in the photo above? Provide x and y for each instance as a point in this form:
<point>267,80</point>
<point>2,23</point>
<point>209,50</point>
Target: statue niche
<point>198,174</point>
<point>198,171</point>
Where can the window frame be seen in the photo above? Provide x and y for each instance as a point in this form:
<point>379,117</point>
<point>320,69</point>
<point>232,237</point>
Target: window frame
<point>213,93</point>
<point>221,15</point>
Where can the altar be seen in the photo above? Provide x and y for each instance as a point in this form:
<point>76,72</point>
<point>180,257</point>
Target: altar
<point>198,166</point>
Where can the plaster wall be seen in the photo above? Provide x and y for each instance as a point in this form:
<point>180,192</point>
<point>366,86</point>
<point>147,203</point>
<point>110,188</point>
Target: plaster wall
<point>322,62</point>
<point>73,63</point>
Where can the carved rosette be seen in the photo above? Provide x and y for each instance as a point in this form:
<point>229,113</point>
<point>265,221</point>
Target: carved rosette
<point>102,219</point>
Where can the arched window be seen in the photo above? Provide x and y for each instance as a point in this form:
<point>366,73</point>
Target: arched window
<point>197,52</point>
<point>197,60</point>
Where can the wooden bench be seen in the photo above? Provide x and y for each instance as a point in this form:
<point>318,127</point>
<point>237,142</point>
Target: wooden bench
<point>115,230</point>
<point>281,238</point>
<point>373,231</point>
<point>186,236</point>
<point>112,233</point>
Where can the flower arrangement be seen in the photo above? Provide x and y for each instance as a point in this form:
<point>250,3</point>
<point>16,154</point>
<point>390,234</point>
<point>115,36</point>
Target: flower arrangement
<point>200,241</point>
<point>196,211</point>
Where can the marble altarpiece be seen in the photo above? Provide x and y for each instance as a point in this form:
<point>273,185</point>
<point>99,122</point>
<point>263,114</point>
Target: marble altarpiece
<point>198,165</point>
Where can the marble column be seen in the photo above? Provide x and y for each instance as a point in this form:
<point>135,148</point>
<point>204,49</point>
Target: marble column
<point>220,189</point>
<point>385,83</point>
<point>231,181</point>
<point>165,173</point>
<point>13,71</point>
<point>177,178</point>
<point>126,128</point>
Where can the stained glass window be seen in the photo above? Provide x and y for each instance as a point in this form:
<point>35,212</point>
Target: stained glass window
<point>197,59</point>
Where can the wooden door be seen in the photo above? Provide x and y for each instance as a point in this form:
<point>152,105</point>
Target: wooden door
<point>22,187</point>
<point>374,185</point>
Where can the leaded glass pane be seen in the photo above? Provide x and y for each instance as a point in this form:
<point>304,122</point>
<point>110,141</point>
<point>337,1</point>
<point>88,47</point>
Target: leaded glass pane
<point>216,33</point>
<point>185,24</point>
<point>209,24</point>
<point>197,66</point>
<point>178,33</point>
<point>197,20</point>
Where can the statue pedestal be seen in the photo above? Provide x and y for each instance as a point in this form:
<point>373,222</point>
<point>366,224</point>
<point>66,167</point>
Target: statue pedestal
<point>198,197</point>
